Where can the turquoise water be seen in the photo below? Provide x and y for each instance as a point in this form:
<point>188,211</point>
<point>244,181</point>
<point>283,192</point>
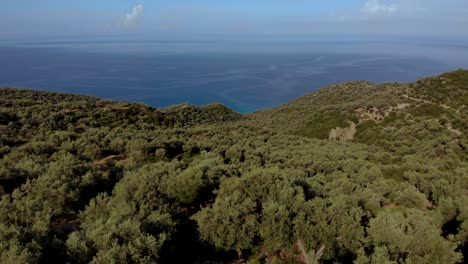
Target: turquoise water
<point>244,76</point>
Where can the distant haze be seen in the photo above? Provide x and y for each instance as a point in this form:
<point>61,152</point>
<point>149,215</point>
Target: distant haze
<point>210,19</point>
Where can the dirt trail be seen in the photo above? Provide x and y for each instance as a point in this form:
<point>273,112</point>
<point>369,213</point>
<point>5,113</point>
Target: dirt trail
<point>456,133</point>
<point>429,102</point>
<point>106,159</point>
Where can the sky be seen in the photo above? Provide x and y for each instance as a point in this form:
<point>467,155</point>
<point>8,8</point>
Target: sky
<point>204,19</point>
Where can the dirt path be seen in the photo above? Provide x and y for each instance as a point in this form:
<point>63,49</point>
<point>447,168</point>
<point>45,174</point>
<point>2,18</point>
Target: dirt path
<point>429,102</point>
<point>106,159</point>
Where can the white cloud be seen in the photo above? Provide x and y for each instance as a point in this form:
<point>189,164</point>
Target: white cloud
<point>376,7</point>
<point>131,19</point>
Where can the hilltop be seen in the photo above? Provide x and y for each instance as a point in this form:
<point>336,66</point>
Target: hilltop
<point>354,172</point>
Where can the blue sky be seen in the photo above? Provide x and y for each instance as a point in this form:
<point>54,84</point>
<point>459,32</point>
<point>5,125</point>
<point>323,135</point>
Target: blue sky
<point>160,19</point>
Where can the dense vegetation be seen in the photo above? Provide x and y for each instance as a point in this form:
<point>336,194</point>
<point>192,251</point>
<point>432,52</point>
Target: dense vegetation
<point>353,173</point>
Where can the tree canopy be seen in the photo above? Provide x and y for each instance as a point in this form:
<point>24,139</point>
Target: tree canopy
<point>85,180</point>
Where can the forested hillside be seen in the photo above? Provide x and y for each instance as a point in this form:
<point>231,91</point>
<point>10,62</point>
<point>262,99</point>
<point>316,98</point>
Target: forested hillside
<point>352,173</point>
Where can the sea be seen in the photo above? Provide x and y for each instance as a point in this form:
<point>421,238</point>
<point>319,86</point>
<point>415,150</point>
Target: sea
<point>245,75</point>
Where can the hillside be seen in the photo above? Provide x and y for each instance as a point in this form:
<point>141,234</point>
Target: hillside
<point>365,104</point>
<point>352,173</point>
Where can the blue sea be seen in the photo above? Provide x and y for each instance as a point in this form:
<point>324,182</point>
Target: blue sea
<point>246,76</point>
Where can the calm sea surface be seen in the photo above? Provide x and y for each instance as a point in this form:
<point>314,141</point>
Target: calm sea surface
<point>246,77</point>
